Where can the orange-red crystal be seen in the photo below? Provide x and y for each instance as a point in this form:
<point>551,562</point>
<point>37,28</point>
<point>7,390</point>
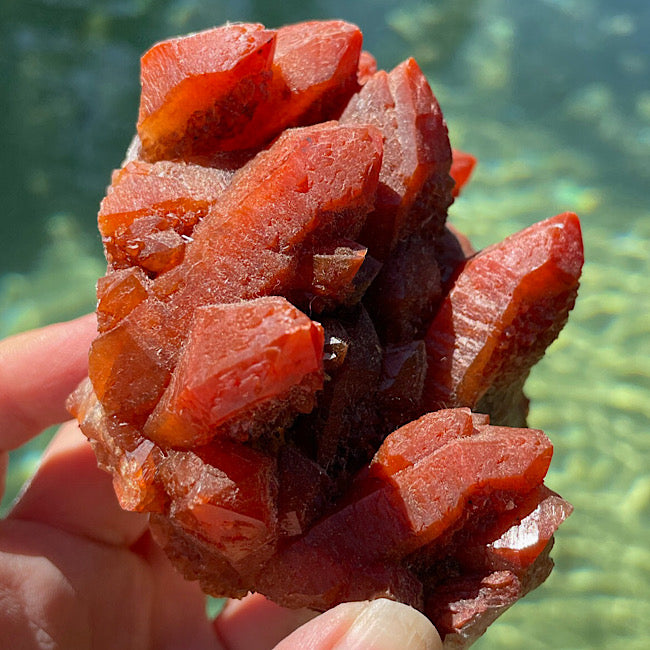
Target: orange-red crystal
<point>292,343</point>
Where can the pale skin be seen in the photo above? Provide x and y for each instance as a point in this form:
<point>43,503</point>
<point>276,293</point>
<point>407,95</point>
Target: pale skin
<point>77,572</point>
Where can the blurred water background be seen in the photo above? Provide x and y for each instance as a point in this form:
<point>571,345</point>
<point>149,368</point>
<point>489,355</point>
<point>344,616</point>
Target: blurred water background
<point>553,96</point>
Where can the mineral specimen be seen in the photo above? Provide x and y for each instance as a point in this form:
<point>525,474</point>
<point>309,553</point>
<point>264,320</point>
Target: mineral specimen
<point>292,342</point>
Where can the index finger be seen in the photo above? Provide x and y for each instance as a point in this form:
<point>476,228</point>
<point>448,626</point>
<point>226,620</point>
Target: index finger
<point>38,370</point>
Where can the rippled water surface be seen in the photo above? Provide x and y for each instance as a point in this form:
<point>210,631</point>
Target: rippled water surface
<point>553,96</point>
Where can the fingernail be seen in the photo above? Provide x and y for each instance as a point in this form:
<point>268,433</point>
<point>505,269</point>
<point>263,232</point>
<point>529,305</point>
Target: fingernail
<point>387,625</point>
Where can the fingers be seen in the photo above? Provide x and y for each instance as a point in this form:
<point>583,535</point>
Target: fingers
<point>71,493</point>
<point>38,370</point>
<point>255,623</point>
<point>61,591</point>
<point>378,624</point>
<point>177,615</point>
<point>117,580</point>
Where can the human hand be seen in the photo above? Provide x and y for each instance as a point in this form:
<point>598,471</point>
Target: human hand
<point>78,572</point>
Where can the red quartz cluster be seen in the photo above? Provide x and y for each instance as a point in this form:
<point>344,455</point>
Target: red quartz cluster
<point>294,348</point>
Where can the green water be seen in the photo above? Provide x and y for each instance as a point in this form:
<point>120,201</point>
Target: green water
<point>554,98</point>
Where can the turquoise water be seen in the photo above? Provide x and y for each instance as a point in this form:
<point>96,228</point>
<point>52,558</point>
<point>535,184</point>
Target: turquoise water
<point>553,96</point>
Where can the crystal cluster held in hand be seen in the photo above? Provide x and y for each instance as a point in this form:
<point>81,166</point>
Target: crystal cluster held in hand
<point>312,383</point>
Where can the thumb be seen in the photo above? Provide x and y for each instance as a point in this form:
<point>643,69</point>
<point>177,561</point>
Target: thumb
<point>378,625</point>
